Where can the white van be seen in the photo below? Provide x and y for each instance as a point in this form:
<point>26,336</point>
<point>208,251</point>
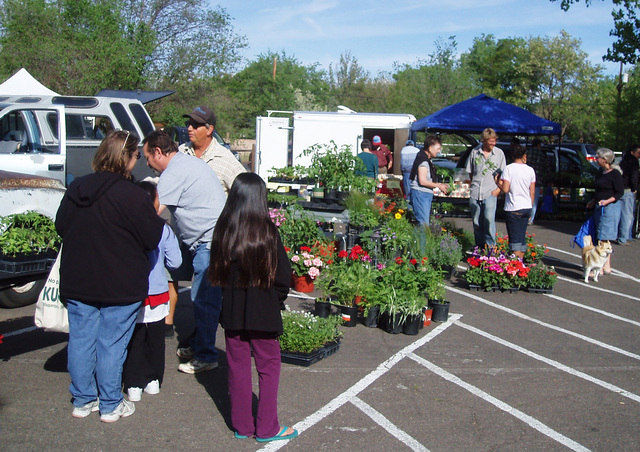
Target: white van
<point>57,136</point>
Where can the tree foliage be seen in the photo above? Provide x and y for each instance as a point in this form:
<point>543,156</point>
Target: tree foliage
<point>626,28</point>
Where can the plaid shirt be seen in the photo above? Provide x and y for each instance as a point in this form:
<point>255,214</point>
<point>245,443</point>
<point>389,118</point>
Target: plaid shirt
<point>220,160</point>
<point>541,164</point>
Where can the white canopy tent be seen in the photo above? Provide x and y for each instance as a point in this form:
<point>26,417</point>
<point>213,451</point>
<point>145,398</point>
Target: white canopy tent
<point>23,83</point>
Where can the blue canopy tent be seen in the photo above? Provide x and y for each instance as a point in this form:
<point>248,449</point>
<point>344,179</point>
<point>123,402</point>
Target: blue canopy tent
<point>476,114</point>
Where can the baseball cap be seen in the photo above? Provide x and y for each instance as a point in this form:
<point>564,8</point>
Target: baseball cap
<point>377,140</point>
<point>409,143</point>
<point>202,115</point>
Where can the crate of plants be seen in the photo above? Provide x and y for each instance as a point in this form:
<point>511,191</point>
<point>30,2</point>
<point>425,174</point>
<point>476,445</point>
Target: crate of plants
<point>28,244</point>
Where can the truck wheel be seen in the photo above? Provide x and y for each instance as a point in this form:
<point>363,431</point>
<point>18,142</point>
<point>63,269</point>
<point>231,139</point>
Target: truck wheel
<point>18,296</point>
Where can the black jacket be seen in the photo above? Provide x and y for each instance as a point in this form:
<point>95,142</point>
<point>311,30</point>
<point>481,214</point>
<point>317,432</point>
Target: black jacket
<point>256,309</point>
<point>107,225</point>
<point>630,171</point>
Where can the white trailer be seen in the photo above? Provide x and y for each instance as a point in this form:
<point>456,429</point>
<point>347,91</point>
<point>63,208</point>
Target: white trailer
<point>282,136</point>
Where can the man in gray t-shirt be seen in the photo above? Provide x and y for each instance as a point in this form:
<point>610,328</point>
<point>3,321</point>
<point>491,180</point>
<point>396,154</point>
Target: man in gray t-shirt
<point>192,192</point>
<point>484,165</point>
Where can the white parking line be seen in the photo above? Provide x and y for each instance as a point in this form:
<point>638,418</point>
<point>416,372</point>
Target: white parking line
<point>551,362</point>
<point>544,324</point>
<point>383,422</point>
<point>593,286</point>
<point>596,310</point>
<point>579,257</point>
<point>363,384</point>
<point>530,421</point>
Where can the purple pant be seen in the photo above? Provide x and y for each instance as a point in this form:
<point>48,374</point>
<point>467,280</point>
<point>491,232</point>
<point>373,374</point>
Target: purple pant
<point>266,353</point>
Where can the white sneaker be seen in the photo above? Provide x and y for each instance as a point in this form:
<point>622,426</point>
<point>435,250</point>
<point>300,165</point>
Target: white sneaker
<point>125,409</point>
<point>85,410</point>
<point>135,394</point>
<point>195,366</point>
<point>152,388</point>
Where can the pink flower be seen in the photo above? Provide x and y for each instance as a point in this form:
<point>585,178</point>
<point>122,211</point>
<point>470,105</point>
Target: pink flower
<point>313,272</point>
<point>317,262</point>
<point>307,263</point>
<point>295,258</point>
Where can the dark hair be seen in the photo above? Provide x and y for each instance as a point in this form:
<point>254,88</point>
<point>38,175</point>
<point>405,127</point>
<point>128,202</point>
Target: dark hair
<point>633,147</point>
<point>365,144</point>
<point>430,141</point>
<point>161,139</point>
<point>115,152</point>
<point>150,188</point>
<point>536,142</point>
<point>518,151</point>
<point>244,246</point>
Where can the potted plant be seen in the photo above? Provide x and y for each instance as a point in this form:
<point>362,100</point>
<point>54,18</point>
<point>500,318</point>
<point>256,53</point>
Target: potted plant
<point>541,278</point>
<point>297,227</point>
<point>351,279</point>
<point>307,338</point>
<point>305,267</point>
<point>390,313</point>
<point>28,236</point>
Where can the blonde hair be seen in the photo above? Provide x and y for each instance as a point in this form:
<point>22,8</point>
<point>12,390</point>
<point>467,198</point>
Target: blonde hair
<point>115,152</point>
<point>487,134</point>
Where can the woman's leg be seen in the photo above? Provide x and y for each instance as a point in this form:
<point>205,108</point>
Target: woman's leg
<point>266,353</point>
<point>81,352</point>
<point>240,386</point>
<point>115,329</point>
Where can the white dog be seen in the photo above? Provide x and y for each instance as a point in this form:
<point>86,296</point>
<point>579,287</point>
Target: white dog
<point>594,257</point>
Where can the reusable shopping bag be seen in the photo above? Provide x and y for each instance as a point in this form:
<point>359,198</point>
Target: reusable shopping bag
<point>51,313</point>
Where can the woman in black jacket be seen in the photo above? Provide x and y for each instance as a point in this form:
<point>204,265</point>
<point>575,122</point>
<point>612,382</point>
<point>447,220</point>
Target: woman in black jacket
<point>250,263</point>
<point>107,225</point>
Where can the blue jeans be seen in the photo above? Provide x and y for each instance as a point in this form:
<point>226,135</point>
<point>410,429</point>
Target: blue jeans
<point>421,202</point>
<point>627,203</point>
<point>534,208</point>
<point>483,215</point>
<point>207,303</point>
<point>406,184</point>
<point>607,221</point>
<point>517,228</point>
<point>98,339</point>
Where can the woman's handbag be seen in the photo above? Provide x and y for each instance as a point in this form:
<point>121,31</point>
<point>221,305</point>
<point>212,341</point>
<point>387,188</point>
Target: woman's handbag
<point>51,313</point>
<point>588,228</point>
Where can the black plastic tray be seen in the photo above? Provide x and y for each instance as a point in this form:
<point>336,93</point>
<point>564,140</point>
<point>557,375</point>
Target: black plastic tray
<point>306,359</point>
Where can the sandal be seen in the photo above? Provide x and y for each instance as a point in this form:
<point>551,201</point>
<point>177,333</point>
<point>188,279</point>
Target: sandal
<point>279,436</point>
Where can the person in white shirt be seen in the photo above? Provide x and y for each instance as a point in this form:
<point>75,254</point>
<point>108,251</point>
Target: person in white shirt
<point>518,181</point>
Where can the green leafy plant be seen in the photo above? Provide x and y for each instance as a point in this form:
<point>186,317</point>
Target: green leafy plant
<point>29,232</point>
<point>297,227</point>
<point>304,332</point>
<point>541,276</point>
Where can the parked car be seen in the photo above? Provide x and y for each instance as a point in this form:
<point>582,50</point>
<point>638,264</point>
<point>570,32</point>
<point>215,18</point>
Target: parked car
<point>587,150</point>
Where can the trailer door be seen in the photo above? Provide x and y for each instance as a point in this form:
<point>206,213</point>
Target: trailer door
<point>272,144</point>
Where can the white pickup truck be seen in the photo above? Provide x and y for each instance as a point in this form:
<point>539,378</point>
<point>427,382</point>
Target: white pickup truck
<point>57,136</point>
<point>46,142</point>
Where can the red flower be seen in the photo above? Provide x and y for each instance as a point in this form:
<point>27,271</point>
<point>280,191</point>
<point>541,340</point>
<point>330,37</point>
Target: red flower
<point>287,249</point>
<point>413,261</point>
<point>305,248</point>
<point>425,260</point>
<point>342,254</point>
<point>399,260</point>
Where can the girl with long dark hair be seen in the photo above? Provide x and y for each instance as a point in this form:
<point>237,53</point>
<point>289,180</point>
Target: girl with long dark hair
<point>249,262</point>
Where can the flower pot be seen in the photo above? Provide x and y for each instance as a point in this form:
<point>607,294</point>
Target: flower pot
<point>512,289</point>
<point>391,322</point>
<point>427,314</point>
<point>474,287</point>
<point>540,289</point>
<point>411,326</point>
<point>302,283</point>
<point>349,315</point>
<point>440,312</point>
<point>449,271</point>
<point>323,309</point>
<point>371,320</point>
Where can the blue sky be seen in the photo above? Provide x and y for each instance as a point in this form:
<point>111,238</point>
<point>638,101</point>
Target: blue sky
<point>379,33</point>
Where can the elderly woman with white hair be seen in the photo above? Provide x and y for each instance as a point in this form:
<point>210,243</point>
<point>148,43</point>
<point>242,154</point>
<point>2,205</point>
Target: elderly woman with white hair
<point>609,188</point>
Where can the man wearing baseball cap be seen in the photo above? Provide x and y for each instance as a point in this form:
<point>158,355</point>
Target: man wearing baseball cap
<point>385,157</point>
<point>201,123</point>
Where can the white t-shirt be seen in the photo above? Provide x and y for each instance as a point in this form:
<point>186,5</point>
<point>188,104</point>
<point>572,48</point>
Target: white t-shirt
<point>520,177</point>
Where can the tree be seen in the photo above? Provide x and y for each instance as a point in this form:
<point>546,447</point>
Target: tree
<point>433,84</point>
<point>73,46</point>
<point>626,48</point>
<point>256,90</point>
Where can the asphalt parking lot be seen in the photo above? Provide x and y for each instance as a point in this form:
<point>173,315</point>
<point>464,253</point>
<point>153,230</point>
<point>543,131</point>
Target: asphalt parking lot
<point>506,372</point>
